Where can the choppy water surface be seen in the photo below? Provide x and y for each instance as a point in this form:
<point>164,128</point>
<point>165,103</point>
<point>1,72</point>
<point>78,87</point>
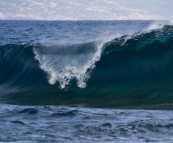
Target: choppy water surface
<point>74,124</point>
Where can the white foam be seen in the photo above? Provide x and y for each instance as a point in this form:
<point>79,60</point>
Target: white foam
<point>64,68</point>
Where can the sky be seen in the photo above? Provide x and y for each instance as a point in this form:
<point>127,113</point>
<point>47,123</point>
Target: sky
<point>86,9</point>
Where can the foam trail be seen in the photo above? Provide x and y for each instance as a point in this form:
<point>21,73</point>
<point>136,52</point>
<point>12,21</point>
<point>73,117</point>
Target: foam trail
<point>64,68</point>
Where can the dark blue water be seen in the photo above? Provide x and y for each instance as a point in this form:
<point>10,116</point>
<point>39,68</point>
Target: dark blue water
<point>86,81</point>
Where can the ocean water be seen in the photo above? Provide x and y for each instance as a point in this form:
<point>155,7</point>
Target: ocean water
<point>86,81</point>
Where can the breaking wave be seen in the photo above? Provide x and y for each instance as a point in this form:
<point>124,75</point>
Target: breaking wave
<point>130,69</point>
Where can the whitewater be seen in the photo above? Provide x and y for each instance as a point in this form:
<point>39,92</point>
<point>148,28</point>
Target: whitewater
<point>86,81</point>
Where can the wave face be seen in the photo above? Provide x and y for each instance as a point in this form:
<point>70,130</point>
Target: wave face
<point>126,71</point>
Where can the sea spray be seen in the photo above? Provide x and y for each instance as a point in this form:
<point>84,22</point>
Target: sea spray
<point>64,68</point>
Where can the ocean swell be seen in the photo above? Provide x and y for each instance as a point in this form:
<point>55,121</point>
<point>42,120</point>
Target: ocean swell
<point>126,71</point>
